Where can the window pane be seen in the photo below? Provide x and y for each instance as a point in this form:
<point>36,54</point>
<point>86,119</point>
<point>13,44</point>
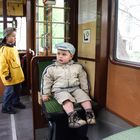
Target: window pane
<point>128,30</point>
<point>40,13</point>
<point>59,3</point>
<point>9,19</point>
<point>39,33</point>
<point>39,2</point>
<point>57,15</point>
<point>1,30</point>
<point>40,30</point>
<point>39,43</point>
<point>58,30</point>
<point>21,33</point>
<point>55,41</point>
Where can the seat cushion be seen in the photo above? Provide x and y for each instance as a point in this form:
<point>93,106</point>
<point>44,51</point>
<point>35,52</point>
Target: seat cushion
<point>52,106</point>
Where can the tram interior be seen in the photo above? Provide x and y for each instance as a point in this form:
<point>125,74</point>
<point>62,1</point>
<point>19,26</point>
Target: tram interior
<point>107,124</point>
<point>85,23</point>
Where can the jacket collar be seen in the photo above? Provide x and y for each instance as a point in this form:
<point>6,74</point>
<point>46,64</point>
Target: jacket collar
<point>58,64</point>
<point>7,44</point>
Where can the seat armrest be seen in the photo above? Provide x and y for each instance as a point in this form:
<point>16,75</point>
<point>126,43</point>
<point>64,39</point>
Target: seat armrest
<point>39,98</point>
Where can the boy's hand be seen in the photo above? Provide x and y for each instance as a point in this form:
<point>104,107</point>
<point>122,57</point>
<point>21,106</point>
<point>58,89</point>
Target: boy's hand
<point>45,97</point>
<point>9,79</point>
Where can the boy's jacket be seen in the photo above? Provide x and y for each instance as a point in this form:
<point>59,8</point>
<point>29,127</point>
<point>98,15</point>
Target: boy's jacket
<point>57,77</point>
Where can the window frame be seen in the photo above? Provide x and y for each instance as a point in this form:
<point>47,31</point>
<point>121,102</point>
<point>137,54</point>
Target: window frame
<point>113,37</point>
<point>48,51</point>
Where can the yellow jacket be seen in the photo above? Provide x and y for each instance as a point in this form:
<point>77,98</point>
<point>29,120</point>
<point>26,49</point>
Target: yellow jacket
<point>10,65</point>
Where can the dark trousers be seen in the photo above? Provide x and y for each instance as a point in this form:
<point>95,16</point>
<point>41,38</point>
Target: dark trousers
<point>11,95</point>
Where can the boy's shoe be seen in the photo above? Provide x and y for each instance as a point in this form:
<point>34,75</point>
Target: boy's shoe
<point>8,110</point>
<point>75,121</point>
<point>90,117</point>
<point>19,105</point>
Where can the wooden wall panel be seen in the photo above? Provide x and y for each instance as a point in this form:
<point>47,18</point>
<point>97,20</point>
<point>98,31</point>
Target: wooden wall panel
<point>123,92</point>
<point>90,67</point>
<point>14,9</point>
<point>1,10</point>
<point>87,49</point>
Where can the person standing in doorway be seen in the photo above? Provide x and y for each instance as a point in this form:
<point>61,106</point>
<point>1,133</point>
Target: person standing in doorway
<point>11,72</point>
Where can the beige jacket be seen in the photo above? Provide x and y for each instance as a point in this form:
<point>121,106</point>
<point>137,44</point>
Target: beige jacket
<point>57,77</point>
<point>10,66</point>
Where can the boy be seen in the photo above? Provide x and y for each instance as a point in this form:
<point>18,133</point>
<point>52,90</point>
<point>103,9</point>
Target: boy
<point>67,81</point>
<point>11,72</point>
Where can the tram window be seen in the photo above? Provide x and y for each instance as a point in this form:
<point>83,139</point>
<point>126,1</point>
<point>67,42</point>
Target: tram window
<point>21,33</point>
<point>128,31</point>
<point>1,27</point>
<point>20,24</point>
<point>52,25</point>
<point>9,24</point>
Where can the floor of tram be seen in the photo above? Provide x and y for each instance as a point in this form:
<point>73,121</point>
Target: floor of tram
<point>20,127</point>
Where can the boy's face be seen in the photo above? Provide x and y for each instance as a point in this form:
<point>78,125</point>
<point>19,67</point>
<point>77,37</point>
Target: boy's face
<point>63,56</point>
<point>11,38</point>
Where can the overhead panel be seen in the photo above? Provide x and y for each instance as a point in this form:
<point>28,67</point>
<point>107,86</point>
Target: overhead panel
<point>0,8</point>
<point>14,7</point>
<point>15,1</point>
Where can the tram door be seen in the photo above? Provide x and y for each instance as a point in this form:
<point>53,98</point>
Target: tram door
<point>12,14</point>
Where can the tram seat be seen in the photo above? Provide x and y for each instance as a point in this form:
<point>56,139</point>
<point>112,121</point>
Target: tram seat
<point>38,63</point>
<point>57,118</point>
<point>130,134</point>
<point>54,113</point>
<point>52,107</point>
